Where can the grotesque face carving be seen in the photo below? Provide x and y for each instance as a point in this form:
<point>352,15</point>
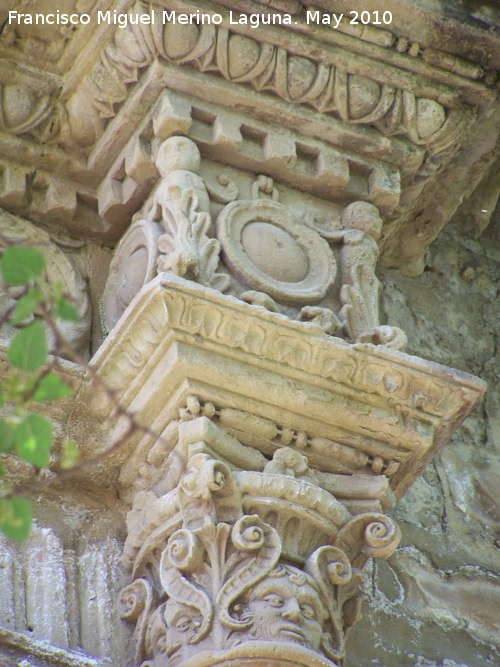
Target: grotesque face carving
<point>286,606</point>
<point>183,623</point>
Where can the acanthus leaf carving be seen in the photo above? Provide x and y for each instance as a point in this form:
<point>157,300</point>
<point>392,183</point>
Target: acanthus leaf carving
<point>171,233</point>
<point>370,535</point>
<point>181,206</point>
<point>136,604</point>
<point>331,567</point>
<point>184,553</point>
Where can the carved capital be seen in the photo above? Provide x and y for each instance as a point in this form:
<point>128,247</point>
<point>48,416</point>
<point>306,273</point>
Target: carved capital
<point>233,562</point>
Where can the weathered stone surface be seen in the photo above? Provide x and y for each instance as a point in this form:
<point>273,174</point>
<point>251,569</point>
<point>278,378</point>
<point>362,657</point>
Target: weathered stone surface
<point>411,105</point>
<point>442,592</point>
<point>227,537</point>
<point>262,173</point>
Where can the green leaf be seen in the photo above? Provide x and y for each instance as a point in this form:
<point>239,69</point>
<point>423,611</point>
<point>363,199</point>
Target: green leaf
<point>28,349</point>
<point>69,455</point>
<point>6,437</point>
<point>20,264</point>
<point>65,310</point>
<point>15,517</point>
<point>19,387</point>
<point>26,306</point>
<point>50,388</point>
<point>34,440</point>
<point>1,397</point>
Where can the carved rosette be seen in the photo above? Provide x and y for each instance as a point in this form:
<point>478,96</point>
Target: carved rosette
<point>230,564</point>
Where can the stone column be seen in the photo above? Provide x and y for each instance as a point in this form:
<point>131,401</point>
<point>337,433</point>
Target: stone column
<point>272,449</point>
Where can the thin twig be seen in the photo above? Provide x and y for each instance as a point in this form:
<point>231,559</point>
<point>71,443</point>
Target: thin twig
<point>62,347</point>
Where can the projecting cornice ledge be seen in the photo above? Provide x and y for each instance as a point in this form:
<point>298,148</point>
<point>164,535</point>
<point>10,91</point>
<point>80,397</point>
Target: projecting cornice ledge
<point>364,408</point>
<point>414,101</point>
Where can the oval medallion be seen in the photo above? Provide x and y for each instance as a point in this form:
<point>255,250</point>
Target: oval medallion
<point>133,265</point>
<point>270,251</point>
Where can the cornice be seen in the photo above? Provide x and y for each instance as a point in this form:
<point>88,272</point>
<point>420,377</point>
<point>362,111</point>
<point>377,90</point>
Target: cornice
<point>365,85</point>
<point>382,403</point>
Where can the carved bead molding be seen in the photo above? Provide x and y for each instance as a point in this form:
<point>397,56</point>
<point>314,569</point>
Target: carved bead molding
<point>280,450</point>
<point>370,404</point>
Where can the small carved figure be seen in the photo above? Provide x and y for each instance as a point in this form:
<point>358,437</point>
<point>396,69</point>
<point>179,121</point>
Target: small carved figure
<point>260,299</point>
<point>287,461</point>
<point>359,294</point>
<point>358,258</point>
<point>323,317</point>
<point>179,201</point>
<point>179,162</point>
<point>182,207</point>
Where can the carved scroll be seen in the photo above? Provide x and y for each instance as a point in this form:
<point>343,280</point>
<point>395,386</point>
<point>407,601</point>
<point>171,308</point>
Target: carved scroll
<point>224,579</point>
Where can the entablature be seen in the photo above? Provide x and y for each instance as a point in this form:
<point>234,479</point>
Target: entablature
<point>371,91</point>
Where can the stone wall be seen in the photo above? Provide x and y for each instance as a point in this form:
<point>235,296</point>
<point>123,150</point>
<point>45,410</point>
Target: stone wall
<point>436,601</point>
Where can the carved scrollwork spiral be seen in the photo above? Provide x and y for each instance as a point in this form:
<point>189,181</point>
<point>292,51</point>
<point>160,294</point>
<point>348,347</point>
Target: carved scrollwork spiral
<point>381,537</point>
<point>329,564</point>
<point>330,567</point>
<point>135,603</point>
<point>184,550</point>
<point>224,192</point>
<point>205,476</point>
<point>134,598</point>
<point>249,535</point>
<point>370,535</point>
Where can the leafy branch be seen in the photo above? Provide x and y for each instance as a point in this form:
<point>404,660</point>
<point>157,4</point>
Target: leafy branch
<point>34,378</point>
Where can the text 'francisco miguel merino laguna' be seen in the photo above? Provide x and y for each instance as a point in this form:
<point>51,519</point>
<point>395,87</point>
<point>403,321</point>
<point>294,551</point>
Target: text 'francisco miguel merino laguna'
<point>198,18</point>
<point>150,18</point>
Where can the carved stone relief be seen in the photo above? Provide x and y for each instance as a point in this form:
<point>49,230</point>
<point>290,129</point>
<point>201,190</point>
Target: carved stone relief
<point>369,91</point>
<point>350,407</point>
<point>273,259</point>
<point>229,559</point>
<point>174,234</point>
<point>336,84</point>
<point>270,252</point>
<point>242,317</point>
